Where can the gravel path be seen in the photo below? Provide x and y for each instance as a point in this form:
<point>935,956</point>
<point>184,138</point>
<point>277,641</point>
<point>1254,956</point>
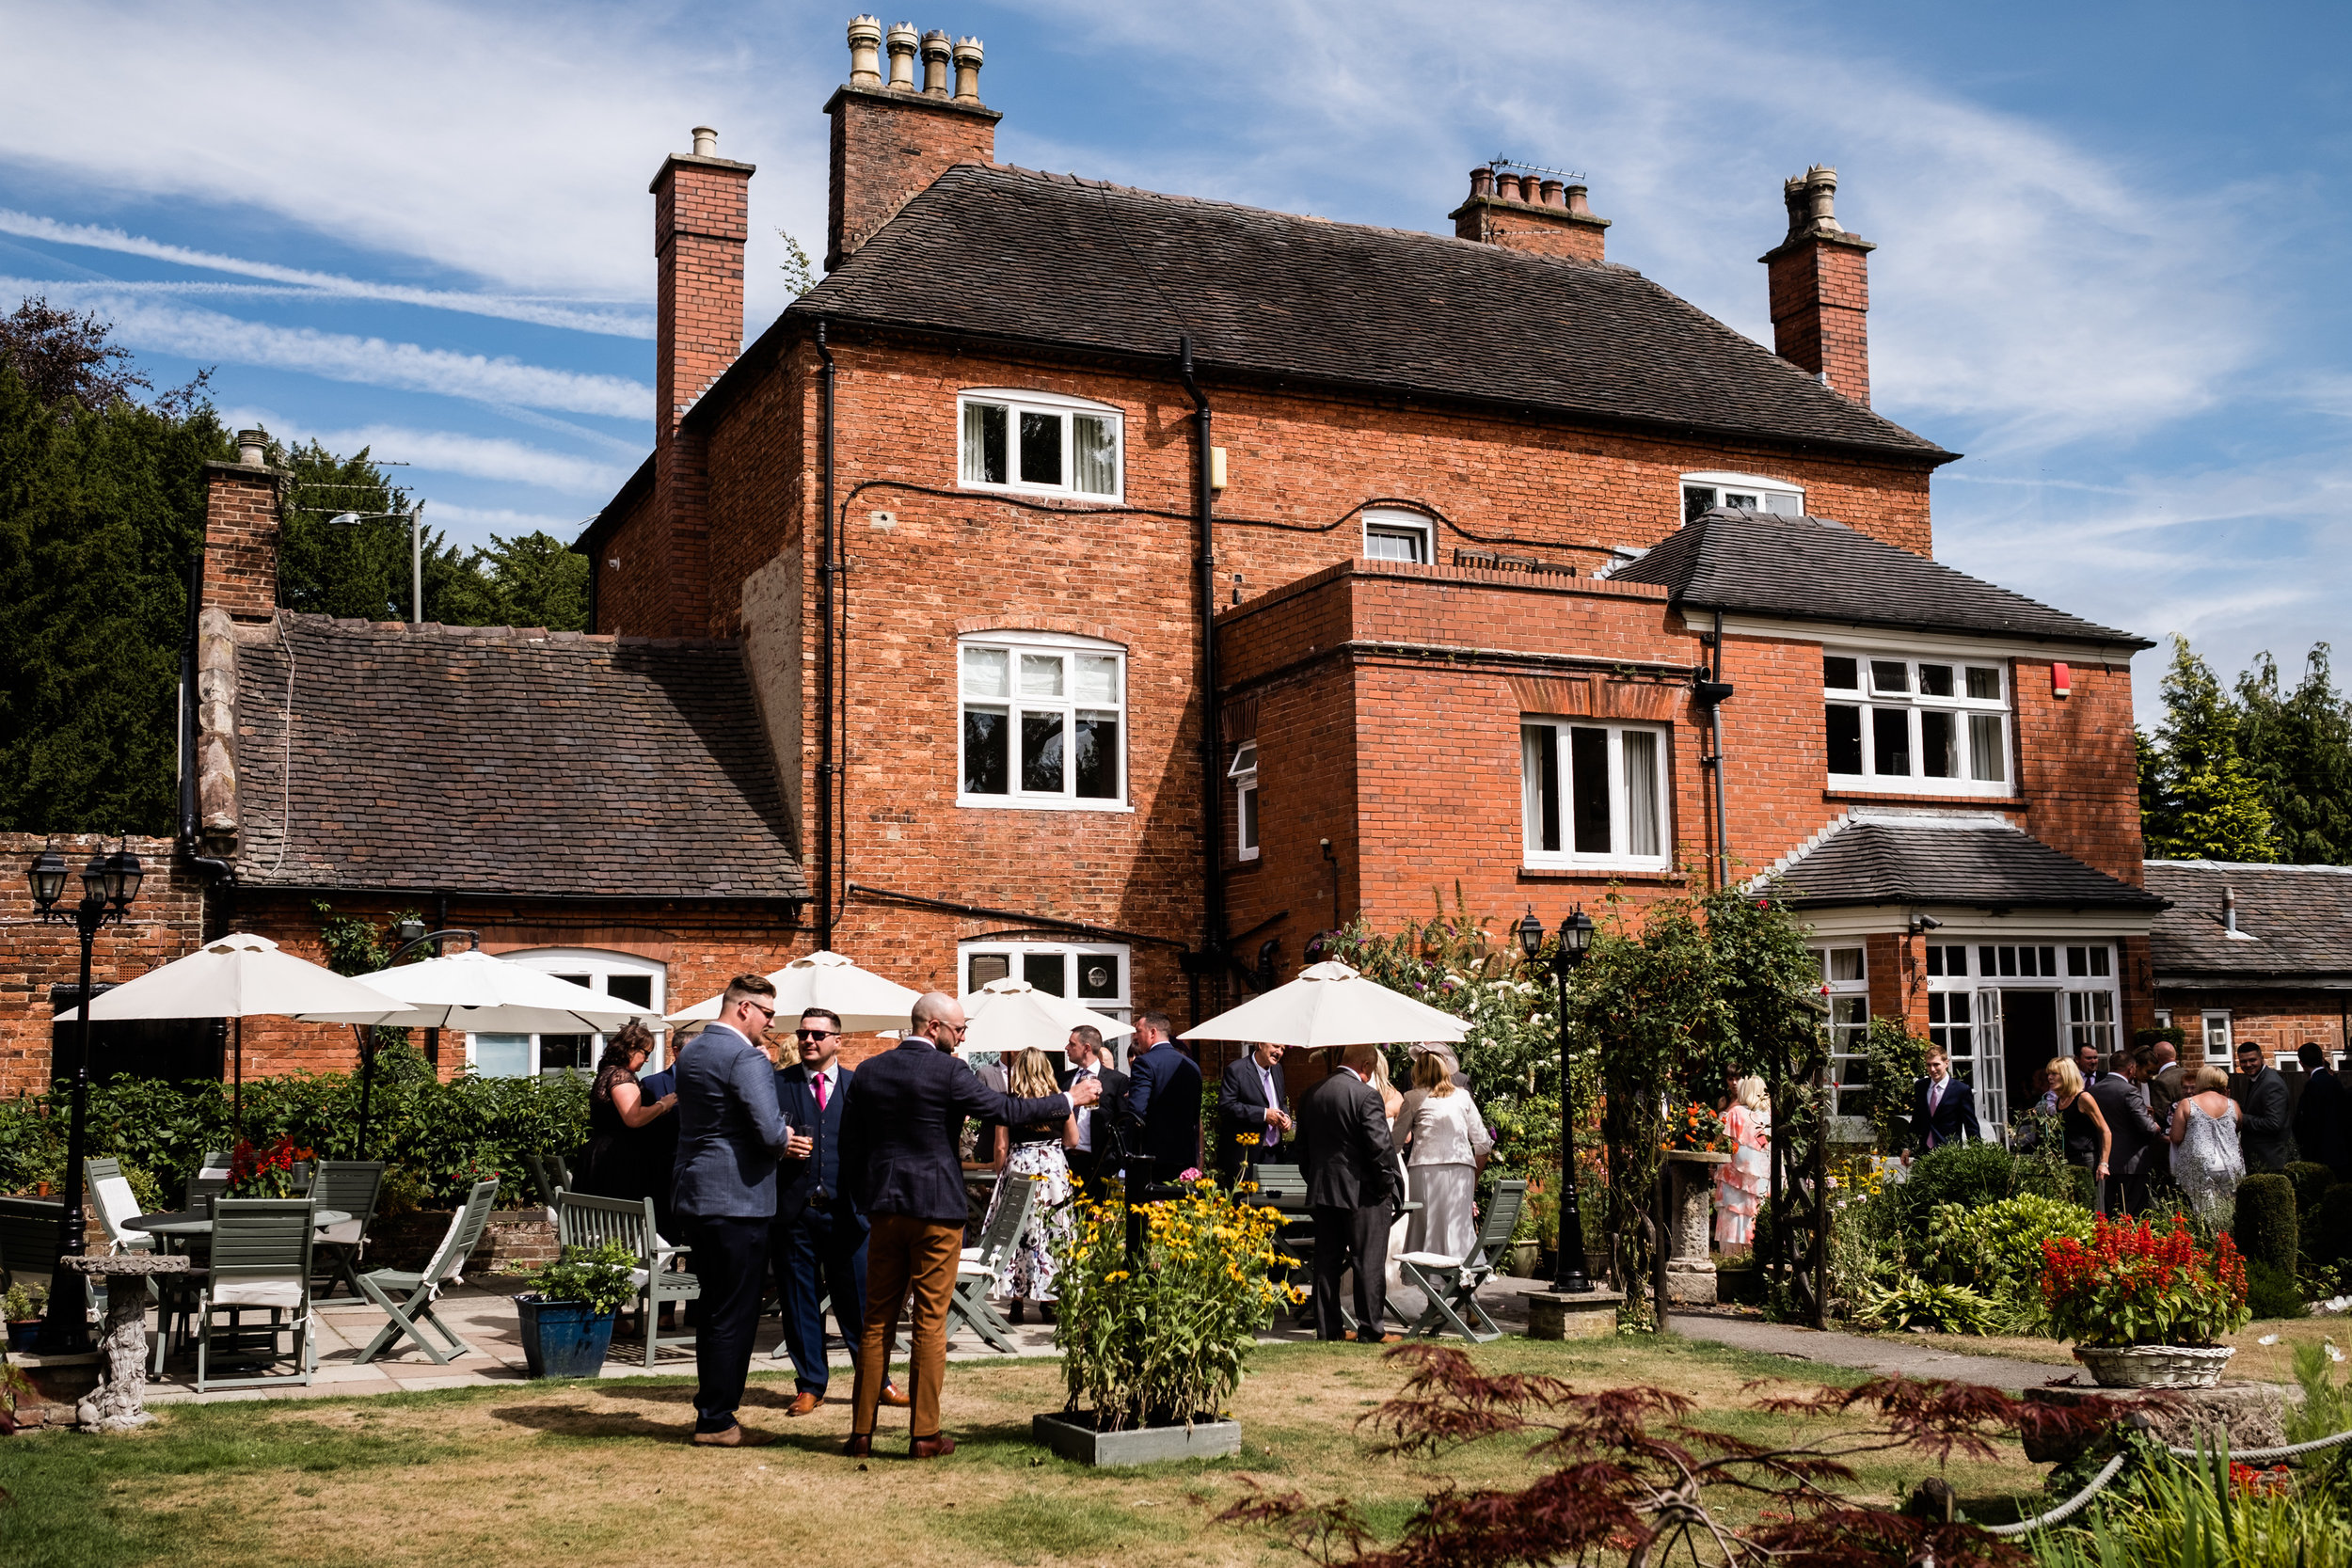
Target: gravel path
<point>1866,1354</point>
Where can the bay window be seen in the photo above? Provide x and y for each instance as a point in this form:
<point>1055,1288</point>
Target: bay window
<point>1916,725</point>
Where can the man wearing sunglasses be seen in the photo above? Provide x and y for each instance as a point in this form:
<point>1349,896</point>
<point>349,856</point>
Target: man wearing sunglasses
<point>731,1132</point>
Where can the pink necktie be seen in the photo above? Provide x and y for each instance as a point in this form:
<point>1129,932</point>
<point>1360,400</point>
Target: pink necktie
<point>820,1091</point>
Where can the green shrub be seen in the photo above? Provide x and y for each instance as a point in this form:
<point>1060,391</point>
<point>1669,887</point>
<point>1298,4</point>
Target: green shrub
<point>1911,1300</point>
<point>1998,1244</point>
<point>2273,1292</point>
<point>2263,1226</point>
<point>1971,1174</point>
<point>1897,1059</point>
<point>2311,1180</point>
<point>598,1275</point>
<point>2326,1407</point>
<point>2326,1235</point>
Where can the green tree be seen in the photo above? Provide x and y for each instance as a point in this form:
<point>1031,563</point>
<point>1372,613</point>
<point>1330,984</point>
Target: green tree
<point>2299,751</point>
<point>2207,806</point>
<point>357,569</point>
<point>534,580</point>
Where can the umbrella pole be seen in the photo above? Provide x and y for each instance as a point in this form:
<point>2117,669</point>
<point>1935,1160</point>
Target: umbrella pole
<point>236,1093</point>
<point>367,1080</point>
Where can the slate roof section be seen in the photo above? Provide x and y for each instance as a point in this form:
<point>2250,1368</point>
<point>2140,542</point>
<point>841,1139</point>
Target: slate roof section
<point>1814,569</point>
<point>495,760</point>
<point>2295,920</point>
<point>1008,254</point>
<point>1982,861</point>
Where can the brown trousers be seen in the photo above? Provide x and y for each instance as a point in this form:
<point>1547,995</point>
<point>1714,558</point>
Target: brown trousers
<point>903,1253</point>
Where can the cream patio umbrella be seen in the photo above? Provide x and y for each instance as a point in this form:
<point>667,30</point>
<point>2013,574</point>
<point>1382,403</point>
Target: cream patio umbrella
<point>865,1000</point>
<point>1013,1015</point>
<point>1328,1005</point>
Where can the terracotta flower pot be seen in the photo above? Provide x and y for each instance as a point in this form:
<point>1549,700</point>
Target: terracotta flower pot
<point>2154,1366</point>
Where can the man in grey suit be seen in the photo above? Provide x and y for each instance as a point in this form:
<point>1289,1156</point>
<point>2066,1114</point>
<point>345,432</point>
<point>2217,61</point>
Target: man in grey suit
<point>2262,1133</point>
<point>1351,1184</point>
<point>730,1134</point>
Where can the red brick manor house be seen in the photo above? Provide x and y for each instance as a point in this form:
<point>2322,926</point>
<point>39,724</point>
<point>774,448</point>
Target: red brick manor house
<point>1107,588</point>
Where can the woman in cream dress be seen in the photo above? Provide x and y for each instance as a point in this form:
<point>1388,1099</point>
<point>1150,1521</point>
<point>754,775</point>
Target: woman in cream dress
<point>1448,1149</point>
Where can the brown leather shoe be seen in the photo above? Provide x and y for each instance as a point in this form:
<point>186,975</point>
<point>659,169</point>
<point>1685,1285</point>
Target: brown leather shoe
<point>734,1437</point>
<point>804,1402</point>
<point>939,1447</point>
<point>891,1396</point>
<point>860,1445</point>
<point>1363,1339</point>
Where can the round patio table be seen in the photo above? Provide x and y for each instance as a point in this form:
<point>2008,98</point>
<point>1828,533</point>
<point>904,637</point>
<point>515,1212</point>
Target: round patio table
<point>179,1225</point>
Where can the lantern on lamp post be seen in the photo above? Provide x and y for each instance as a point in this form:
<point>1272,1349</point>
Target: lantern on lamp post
<point>1575,940</point>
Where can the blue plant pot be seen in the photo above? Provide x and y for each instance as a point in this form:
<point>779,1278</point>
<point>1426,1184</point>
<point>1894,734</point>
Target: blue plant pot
<point>21,1335</point>
<point>562,1338</point>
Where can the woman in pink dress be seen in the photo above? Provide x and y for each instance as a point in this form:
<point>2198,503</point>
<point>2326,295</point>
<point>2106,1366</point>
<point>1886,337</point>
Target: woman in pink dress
<point>1739,1186</point>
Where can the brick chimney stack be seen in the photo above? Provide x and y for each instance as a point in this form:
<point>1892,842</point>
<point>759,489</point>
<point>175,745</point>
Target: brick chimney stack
<point>892,138</point>
<point>241,528</point>
<point>1821,288</point>
<point>701,216</point>
<point>1528,211</point>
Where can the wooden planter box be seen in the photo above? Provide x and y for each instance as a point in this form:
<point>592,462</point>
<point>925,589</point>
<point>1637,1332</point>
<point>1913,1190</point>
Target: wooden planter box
<point>1073,1439</point>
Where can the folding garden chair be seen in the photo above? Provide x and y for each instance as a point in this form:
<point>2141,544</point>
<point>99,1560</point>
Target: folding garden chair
<point>1451,1283</point>
<point>208,1179</point>
<point>352,1186</point>
<point>582,1219</point>
<point>977,1272</point>
<point>413,1314</point>
<point>260,1260</point>
<point>551,1175</point>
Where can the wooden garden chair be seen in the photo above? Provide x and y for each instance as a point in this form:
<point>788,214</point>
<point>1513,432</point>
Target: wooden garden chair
<point>28,1240</point>
<point>1283,1189</point>
<point>208,1179</point>
<point>582,1219</point>
<point>260,1260</point>
<point>353,1187</point>
<point>978,1269</point>
<point>551,1175</point>
<point>1451,1283</point>
<point>412,1313</point>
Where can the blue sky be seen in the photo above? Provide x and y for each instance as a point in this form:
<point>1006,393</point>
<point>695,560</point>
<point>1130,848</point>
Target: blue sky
<point>2112,237</point>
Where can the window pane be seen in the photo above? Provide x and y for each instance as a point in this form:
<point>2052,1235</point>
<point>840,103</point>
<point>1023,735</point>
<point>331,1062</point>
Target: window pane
<point>1844,739</point>
<point>1245,761</point>
<point>984,443</point>
<point>1937,744</point>
<point>987,673</point>
<point>501,1055</point>
<point>986,967</point>
<point>1890,740</point>
<point>1733,499</point>
<point>1785,505</point>
<point>1697,498</point>
<point>566,1053</point>
<point>1985,745</point>
<point>1845,963</point>
<point>1041,754</point>
<point>1047,972</point>
<point>1841,674</point>
<point>1097,743</point>
<point>1985,684</point>
<point>1641,793</point>
<point>1094,455</point>
<point>1889,674</point>
<point>986,739</point>
<point>630,987</point>
<point>1248,816</point>
<point>2077,961</point>
<point>1935,680</point>
<point>1040,449</point>
<point>1395,544</point>
<point>1588,790</point>
<point>1098,678</point>
<point>1098,976</point>
<point>1040,674</point>
<point>2099,960</point>
<point>1539,786</point>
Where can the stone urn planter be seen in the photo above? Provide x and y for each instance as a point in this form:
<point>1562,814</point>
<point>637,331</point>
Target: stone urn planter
<point>2154,1366</point>
<point>1074,1436</point>
<point>1689,1260</point>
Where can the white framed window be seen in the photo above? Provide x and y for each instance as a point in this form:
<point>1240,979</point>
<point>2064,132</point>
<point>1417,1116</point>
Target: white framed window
<point>1398,536</point>
<point>1593,794</point>
<point>1245,776</point>
<point>1043,720</point>
<point>1041,443</point>
<point>1846,985</point>
<point>622,974</point>
<point>1702,491</point>
<point>2215,1021</point>
<point>1966,982</point>
<point>2163,1017</point>
<point>1096,974</point>
<point>1907,725</point>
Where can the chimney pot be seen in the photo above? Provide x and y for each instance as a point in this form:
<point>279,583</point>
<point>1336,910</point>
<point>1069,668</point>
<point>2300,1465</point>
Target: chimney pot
<point>1507,186</point>
<point>1482,181</point>
<point>903,41</point>
<point>1820,295</point>
<point>706,142</point>
<point>1821,183</point>
<point>967,55</point>
<point>935,55</point>
<point>1552,189</point>
<point>254,447</point>
<point>2229,910</point>
<point>1575,197</point>
<point>866,37</point>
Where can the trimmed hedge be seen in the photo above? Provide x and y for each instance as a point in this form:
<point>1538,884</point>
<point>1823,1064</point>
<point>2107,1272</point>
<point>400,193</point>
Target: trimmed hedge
<point>1971,1174</point>
<point>2328,1233</point>
<point>2311,1180</point>
<point>2264,1228</point>
<point>2272,1292</point>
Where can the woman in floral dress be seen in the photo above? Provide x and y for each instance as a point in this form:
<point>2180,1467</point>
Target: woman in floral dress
<point>1034,1154</point>
<point>1740,1187</point>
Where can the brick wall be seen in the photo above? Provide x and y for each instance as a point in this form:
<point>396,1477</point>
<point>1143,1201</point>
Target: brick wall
<point>1539,228</point>
<point>1821,301</point>
<point>888,146</point>
<point>241,534</point>
<point>2277,1021</point>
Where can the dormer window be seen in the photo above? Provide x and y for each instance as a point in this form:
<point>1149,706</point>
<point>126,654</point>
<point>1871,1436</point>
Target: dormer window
<point>1703,491</point>
<point>1040,443</point>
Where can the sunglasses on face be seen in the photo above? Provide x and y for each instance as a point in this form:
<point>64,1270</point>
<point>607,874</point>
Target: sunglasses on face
<point>818,1034</point>
<point>767,1013</point>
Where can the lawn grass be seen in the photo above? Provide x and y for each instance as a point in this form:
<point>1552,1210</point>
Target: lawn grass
<point>588,1474</point>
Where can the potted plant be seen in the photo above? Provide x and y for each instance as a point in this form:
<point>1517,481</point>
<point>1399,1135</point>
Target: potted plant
<point>22,1306</point>
<point>265,1171</point>
<point>2145,1307</point>
<point>1154,1345</point>
<point>567,1314</point>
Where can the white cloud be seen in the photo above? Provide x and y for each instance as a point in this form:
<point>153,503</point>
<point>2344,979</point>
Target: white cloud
<point>142,322</point>
<point>578,318</point>
<point>447,451</point>
<point>502,520</point>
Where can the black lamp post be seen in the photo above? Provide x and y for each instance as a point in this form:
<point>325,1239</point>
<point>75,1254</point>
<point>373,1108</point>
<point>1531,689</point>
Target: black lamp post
<point>110,883</point>
<point>1575,939</point>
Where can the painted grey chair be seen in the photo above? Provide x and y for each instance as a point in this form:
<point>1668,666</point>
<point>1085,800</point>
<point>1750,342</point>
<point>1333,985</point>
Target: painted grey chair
<point>202,1187</point>
<point>353,1187</point>
<point>28,1240</point>
<point>582,1219</point>
<point>978,1269</point>
<point>1283,1189</point>
<point>261,1262</point>
<point>407,1298</point>
<point>1451,1283</point>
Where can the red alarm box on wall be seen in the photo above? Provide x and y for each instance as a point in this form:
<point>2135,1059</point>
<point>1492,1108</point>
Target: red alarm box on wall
<point>2061,682</point>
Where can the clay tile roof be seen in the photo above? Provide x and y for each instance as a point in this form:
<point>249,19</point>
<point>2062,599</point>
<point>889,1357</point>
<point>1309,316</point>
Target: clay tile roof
<point>1814,569</point>
<point>1981,862</point>
<point>2294,920</point>
<point>503,760</point>
<point>1009,254</point>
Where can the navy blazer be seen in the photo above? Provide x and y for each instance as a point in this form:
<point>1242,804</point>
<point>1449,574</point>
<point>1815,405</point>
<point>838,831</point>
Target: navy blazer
<point>818,1179</point>
<point>1241,1109</point>
<point>1955,1118</point>
<point>1163,1098</point>
<point>729,1128</point>
<point>904,1111</point>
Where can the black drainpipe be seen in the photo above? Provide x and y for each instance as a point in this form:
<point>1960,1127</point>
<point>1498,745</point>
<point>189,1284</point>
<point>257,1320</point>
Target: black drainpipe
<point>828,570</point>
<point>1212,794</point>
<point>1714,691</point>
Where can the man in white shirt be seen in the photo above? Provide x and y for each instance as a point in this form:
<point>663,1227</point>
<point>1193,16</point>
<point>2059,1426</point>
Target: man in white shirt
<point>1249,1106</point>
<point>1088,1060</point>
